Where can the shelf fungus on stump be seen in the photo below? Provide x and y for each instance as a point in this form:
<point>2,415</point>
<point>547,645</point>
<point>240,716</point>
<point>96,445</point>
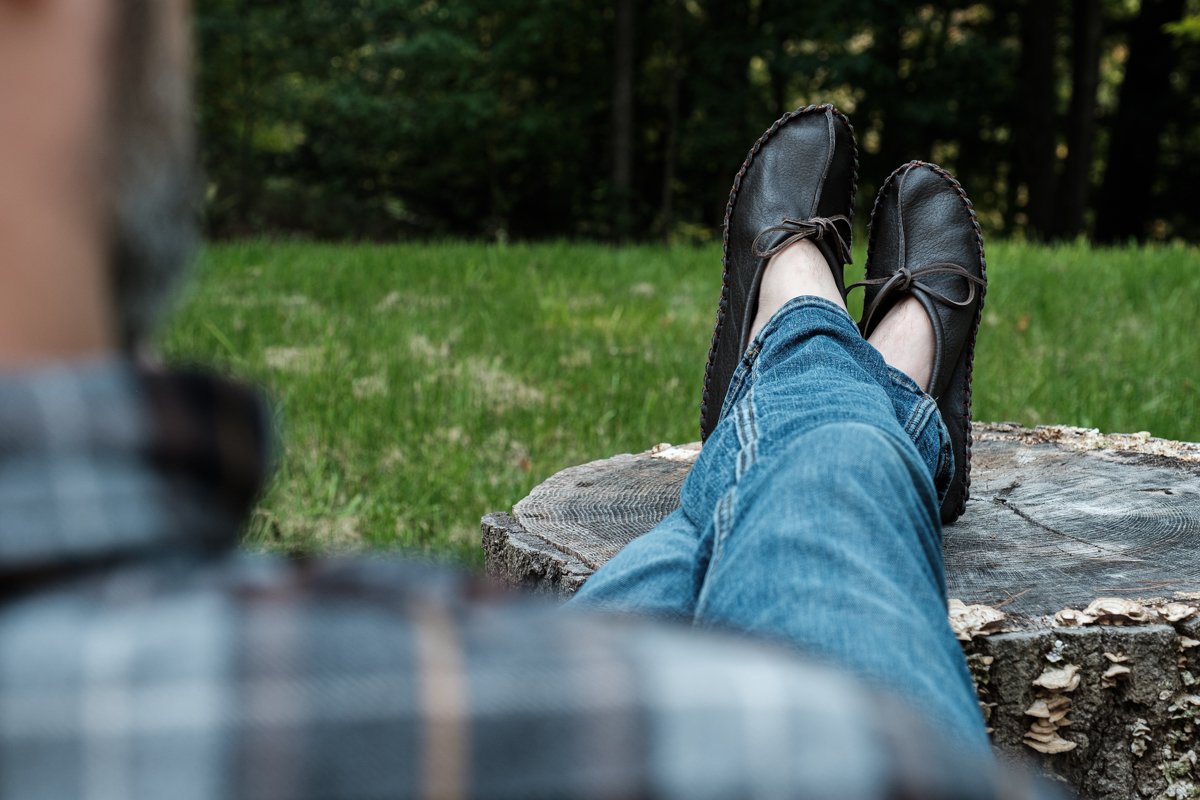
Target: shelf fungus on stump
<point>969,621</point>
<point>1122,611</point>
<point>1049,710</point>
<point>1116,669</point>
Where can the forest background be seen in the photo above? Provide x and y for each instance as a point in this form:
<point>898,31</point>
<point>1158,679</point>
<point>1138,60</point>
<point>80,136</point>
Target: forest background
<point>412,207</point>
<point>397,119</point>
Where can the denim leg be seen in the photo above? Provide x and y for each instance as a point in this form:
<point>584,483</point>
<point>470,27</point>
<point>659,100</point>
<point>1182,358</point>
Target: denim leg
<point>848,570</point>
<point>823,516</point>
<point>657,573</point>
<point>661,571</point>
<point>811,517</point>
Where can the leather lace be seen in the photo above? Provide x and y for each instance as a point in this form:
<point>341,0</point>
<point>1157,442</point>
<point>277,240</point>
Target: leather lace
<point>816,228</point>
<point>905,280</point>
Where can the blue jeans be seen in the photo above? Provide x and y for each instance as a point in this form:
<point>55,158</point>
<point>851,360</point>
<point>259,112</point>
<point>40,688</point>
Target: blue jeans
<point>811,516</point>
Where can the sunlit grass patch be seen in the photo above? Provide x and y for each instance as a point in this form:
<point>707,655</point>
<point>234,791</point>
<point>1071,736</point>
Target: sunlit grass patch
<point>419,386</point>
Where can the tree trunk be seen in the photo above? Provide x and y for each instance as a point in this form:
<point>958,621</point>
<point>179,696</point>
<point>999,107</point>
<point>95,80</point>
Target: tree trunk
<point>892,100</point>
<point>1143,108</point>
<point>622,116</point>
<point>1035,141</point>
<point>1086,21</point>
<point>666,208</point>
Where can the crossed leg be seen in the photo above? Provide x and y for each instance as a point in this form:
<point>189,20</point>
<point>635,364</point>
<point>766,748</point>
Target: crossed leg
<point>811,514</point>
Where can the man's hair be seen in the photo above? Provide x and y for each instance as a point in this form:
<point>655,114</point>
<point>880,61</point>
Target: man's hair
<point>151,168</point>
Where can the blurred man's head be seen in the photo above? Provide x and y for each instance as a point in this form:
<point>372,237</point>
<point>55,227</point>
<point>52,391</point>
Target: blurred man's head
<point>96,173</point>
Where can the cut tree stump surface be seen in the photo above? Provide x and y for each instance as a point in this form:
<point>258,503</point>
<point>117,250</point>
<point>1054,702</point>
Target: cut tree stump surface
<point>1074,573</point>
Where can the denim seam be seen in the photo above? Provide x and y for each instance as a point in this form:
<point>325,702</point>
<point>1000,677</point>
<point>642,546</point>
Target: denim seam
<point>722,522</point>
<point>944,472</point>
<point>920,417</point>
<point>747,433</point>
<point>903,380</point>
<point>743,374</point>
<point>745,424</point>
<point>923,410</point>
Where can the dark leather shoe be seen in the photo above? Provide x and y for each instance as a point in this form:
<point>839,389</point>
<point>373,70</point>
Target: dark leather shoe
<point>925,242</point>
<point>798,182</point>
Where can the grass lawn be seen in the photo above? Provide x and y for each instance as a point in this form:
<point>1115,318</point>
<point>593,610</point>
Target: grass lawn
<point>419,386</point>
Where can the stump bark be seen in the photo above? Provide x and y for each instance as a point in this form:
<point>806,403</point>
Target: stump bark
<point>1074,576</point>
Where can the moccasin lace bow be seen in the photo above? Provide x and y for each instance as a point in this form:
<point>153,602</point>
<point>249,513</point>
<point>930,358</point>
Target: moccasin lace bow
<point>905,280</point>
<point>815,228</point>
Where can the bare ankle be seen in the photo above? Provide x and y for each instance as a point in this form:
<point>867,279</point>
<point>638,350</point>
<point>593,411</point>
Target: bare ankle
<point>904,337</point>
<point>800,270</point>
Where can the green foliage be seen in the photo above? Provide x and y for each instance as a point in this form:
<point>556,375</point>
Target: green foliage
<point>420,386</point>
<point>1188,27</point>
<point>392,119</point>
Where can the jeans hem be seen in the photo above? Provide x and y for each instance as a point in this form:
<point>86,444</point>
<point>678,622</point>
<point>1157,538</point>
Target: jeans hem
<point>791,307</point>
<point>749,359</point>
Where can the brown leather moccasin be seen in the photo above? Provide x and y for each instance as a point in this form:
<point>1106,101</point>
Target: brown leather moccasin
<point>798,182</point>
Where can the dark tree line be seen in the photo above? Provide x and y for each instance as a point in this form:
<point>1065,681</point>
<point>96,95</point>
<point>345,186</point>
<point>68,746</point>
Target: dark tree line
<point>621,119</point>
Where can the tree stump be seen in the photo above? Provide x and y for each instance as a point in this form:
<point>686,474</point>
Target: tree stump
<point>1074,574</point>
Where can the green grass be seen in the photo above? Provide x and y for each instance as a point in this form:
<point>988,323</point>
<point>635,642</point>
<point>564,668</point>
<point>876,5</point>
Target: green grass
<point>419,386</point>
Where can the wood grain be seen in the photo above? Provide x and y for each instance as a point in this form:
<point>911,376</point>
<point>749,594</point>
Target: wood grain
<point>1057,517</point>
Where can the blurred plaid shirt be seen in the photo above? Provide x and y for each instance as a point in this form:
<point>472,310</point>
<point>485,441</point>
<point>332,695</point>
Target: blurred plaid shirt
<point>141,655</point>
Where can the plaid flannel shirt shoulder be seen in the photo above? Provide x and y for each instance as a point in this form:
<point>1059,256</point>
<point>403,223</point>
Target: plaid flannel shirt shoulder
<point>141,657</point>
